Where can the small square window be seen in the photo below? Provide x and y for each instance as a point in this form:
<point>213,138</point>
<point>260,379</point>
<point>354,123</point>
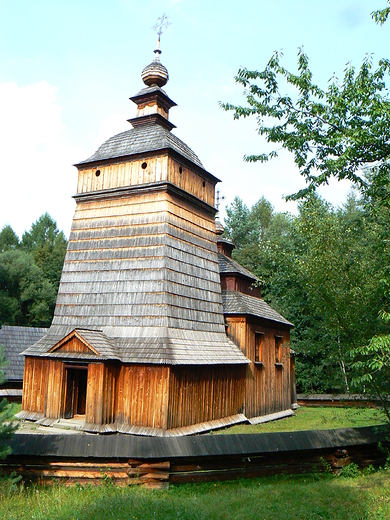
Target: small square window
<point>278,349</point>
<point>259,341</point>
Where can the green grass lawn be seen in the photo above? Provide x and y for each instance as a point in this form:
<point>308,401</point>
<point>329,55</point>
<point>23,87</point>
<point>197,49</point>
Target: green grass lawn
<point>282,498</point>
<point>315,418</point>
<point>314,496</point>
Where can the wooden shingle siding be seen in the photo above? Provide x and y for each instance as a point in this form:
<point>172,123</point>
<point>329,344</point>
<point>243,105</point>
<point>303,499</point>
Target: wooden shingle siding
<point>202,394</point>
<point>179,287</point>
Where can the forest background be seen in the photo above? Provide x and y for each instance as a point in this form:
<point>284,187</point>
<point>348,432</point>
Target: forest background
<point>326,270</point>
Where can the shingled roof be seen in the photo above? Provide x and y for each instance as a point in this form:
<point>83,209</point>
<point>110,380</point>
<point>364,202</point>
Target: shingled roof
<point>14,340</point>
<point>151,289</point>
<point>149,137</point>
<point>238,303</point>
<point>229,266</point>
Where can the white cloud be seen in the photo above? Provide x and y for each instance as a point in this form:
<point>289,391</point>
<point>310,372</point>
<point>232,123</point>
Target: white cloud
<point>36,175</point>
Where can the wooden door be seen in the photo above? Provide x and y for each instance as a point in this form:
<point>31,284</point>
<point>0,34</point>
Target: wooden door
<point>75,391</point>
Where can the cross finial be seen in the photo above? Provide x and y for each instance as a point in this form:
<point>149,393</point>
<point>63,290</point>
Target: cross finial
<point>220,198</point>
<point>161,24</point>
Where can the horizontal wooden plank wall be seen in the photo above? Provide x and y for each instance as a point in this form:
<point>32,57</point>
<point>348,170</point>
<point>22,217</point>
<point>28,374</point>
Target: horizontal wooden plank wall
<point>34,384</point>
<point>268,387</point>
<point>203,393</point>
<point>159,473</point>
<point>142,396</point>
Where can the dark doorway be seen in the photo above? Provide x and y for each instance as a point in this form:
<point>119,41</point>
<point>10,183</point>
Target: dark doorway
<point>75,391</point>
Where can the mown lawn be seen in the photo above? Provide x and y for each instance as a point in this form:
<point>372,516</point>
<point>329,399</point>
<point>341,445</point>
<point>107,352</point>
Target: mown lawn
<point>315,418</point>
<point>282,498</point>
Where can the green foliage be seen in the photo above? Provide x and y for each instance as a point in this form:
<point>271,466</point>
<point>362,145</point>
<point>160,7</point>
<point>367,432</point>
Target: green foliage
<point>8,239</point>
<point>30,272</point>
<point>335,132</point>
<point>7,412</point>
<point>381,15</point>
<point>326,271</point>
<point>350,471</point>
<point>26,296</point>
<point>337,277</point>
<point>47,246</point>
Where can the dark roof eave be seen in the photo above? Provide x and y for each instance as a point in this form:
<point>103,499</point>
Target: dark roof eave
<point>145,188</point>
<point>145,96</point>
<point>286,323</point>
<point>237,274</point>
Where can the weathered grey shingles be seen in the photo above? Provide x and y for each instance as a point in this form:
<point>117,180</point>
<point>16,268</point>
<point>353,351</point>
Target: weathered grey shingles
<point>15,340</point>
<point>142,139</point>
<point>229,266</point>
<point>237,303</point>
<point>179,294</point>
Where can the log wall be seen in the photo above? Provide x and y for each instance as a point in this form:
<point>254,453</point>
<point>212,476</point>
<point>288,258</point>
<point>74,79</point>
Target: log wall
<point>204,393</point>
<point>55,391</point>
<point>142,396</point>
<point>34,384</point>
<point>267,387</point>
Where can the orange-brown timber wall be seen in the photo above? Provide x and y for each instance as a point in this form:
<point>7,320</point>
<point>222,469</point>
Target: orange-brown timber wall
<point>203,393</point>
<point>139,395</point>
<point>267,383</point>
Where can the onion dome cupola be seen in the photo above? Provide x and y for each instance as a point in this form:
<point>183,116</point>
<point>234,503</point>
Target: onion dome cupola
<point>155,73</point>
<point>152,102</point>
<point>161,155</point>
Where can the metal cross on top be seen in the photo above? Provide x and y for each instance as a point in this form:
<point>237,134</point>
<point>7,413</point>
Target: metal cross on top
<point>162,23</point>
<point>219,199</point>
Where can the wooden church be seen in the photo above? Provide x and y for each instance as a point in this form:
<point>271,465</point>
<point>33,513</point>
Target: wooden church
<point>140,341</point>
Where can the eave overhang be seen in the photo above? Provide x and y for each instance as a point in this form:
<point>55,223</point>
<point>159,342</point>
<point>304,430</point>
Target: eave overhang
<point>146,188</point>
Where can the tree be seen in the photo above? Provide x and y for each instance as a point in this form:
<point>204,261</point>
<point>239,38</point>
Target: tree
<point>48,246</point>
<point>336,132</point>
<point>323,270</point>
<point>26,296</point>
<point>7,412</point>
<point>381,15</point>
<point>342,132</point>
<point>8,239</point>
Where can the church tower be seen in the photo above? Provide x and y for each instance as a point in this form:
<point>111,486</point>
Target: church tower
<point>138,341</point>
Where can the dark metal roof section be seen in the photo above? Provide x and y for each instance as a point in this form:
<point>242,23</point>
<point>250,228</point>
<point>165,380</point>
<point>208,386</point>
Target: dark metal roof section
<point>15,340</point>
<point>131,446</point>
<point>238,303</point>
<point>140,140</point>
<point>229,266</point>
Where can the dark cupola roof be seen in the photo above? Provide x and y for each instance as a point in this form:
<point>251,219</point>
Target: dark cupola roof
<point>155,73</point>
<point>151,130</point>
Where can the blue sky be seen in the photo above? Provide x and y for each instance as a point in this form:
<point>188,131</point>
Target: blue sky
<point>67,69</point>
